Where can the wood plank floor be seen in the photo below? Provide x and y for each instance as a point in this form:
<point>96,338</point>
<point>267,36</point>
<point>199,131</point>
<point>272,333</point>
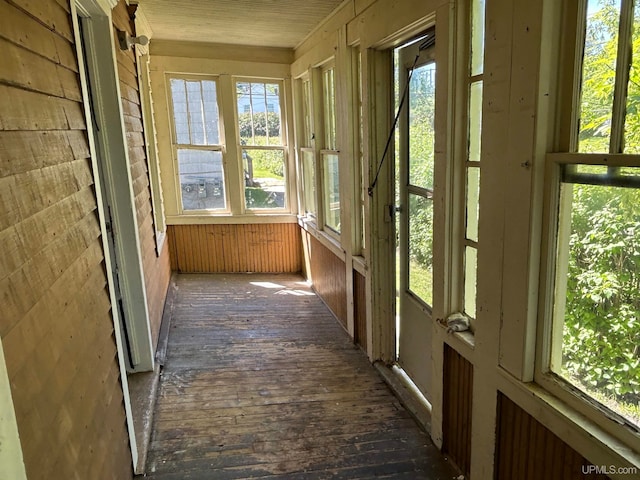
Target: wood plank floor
<point>261,381</point>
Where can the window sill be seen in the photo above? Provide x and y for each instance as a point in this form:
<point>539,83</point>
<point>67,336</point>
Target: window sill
<point>360,264</point>
<point>462,341</point>
<point>572,426</point>
<point>324,238</point>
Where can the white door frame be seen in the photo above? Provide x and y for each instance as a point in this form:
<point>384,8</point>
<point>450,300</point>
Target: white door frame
<point>111,144</point>
<point>11,461</point>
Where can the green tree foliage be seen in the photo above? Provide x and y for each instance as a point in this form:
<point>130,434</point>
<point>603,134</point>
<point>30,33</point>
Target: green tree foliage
<point>421,164</point>
<point>258,127</point>
<point>602,316</point>
<point>599,76</point>
<point>601,341</point>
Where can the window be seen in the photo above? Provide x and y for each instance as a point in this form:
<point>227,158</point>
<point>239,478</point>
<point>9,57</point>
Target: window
<point>307,151</point>
<point>232,165</point>
<point>472,165</point>
<point>593,312</point>
<point>329,154</point>
<point>197,144</point>
<point>361,187</point>
<point>262,145</point>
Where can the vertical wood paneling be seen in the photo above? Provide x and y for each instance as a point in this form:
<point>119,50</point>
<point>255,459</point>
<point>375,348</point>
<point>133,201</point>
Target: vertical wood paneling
<point>527,450</point>
<point>265,248</point>
<point>457,406</point>
<point>156,268</point>
<point>360,310</point>
<point>55,312</point>
<point>328,275</point>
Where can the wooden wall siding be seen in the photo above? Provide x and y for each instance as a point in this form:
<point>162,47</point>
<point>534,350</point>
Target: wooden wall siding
<point>457,406</point>
<point>328,275</point>
<point>527,450</point>
<point>55,313</point>
<point>360,310</point>
<point>157,269</point>
<point>265,248</point>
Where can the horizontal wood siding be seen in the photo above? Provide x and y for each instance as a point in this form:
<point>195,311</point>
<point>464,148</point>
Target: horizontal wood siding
<point>457,407</point>
<point>265,248</point>
<point>359,310</point>
<point>157,269</point>
<point>527,450</point>
<point>328,275</point>
<point>55,312</point>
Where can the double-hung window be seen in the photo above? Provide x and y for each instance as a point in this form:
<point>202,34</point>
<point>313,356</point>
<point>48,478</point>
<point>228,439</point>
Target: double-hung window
<point>329,154</point>
<point>262,144</point>
<point>591,342</point>
<point>225,161</point>
<point>198,146</point>
<point>307,150</point>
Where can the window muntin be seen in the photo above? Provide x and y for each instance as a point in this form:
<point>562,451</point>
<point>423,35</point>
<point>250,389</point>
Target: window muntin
<point>197,146</point>
<point>261,144</point>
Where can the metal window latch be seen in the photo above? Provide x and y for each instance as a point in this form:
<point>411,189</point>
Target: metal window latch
<point>390,212</point>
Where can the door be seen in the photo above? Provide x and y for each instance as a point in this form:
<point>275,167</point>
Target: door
<point>416,68</point>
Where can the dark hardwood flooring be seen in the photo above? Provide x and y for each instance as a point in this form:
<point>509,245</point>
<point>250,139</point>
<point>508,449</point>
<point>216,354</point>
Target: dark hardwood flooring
<point>261,381</point>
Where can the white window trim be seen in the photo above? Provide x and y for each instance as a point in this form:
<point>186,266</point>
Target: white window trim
<point>626,438</point>
<point>284,146</point>
<point>175,146</point>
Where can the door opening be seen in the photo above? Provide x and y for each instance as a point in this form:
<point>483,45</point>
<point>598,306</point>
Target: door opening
<point>415,77</point>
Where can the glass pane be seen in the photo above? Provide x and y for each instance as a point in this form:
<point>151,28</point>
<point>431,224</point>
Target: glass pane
<point>598,75</point>
<point>421,247</point>
<point>259,120</point>
<point>264,178</point>
<point>473,204</point>
<point>597,299</point>
<point>422,95</point>
<point>477,37</point>
<point>201,179</point>
<point>632,119</point>
<point>196,113</point>
<point>475,121</point>
<point>329,97</point>
<point>180,116</point>
<point>209,100</point>
<point>593,169</point>
<point>309,179</point>
<point>306,113</point>
<point>470,280</point>
<point>331,192</point>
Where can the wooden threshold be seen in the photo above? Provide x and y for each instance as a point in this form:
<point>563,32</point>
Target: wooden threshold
<point>261,381</point>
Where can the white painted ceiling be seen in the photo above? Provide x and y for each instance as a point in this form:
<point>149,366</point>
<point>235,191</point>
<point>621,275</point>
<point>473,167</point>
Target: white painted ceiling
<point>272,23</point>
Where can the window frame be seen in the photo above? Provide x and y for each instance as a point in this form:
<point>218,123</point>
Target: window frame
<point>566,146</point>
<point>283,147</point>
<point>230,148</point>
<point>175,146</point>
<point>328,146</point>
<point>306,145</point>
